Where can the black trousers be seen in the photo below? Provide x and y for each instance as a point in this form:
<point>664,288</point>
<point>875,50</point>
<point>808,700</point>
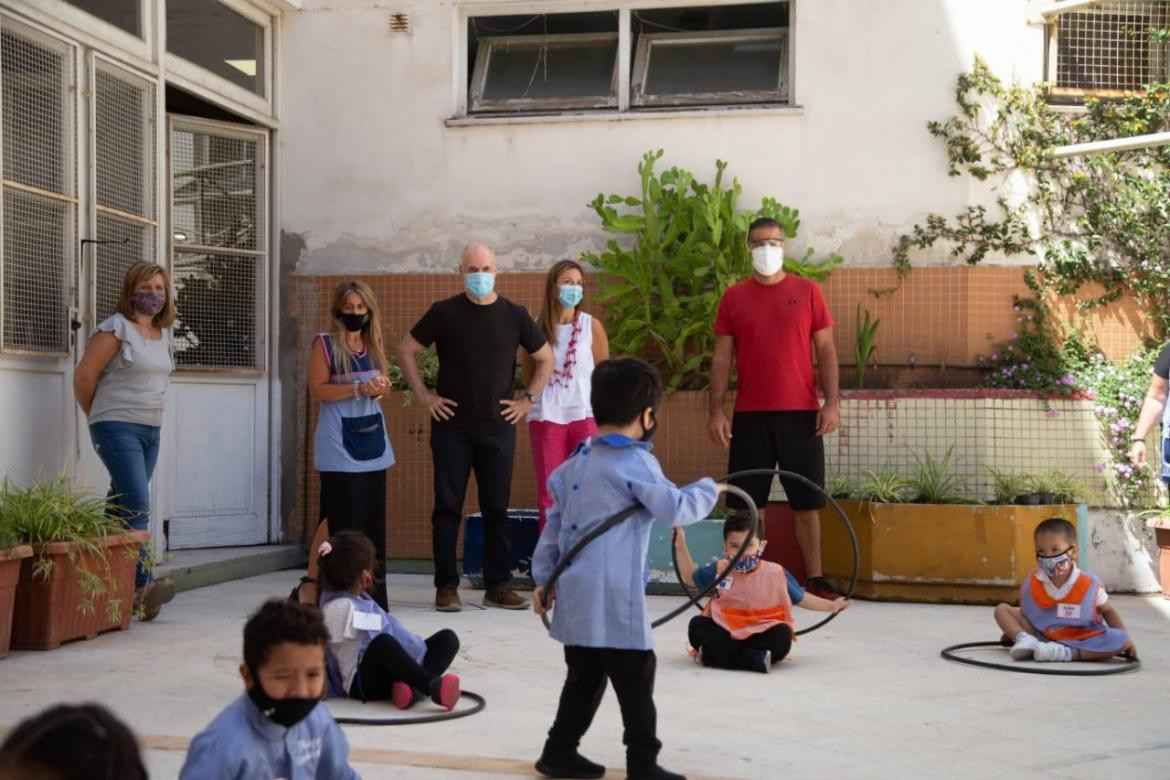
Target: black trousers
<point>386,662</point>
<point>357,502</point>
<point>720,649</point>
<point>632,675</point>
<point>455,454</point>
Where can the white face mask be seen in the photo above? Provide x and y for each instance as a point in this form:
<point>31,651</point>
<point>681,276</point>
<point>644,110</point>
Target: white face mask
<point>768,260</point>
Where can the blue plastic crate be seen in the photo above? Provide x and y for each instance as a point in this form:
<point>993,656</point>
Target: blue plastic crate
<point>525,531</point>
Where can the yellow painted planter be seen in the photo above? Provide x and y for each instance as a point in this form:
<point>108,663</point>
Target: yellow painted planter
<point>947,553</point>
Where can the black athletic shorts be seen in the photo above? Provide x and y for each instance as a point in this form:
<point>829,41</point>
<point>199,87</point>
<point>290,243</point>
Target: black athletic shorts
<point>788,440</point>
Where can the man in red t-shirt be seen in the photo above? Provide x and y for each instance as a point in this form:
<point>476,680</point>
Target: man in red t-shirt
<point>772,323</point>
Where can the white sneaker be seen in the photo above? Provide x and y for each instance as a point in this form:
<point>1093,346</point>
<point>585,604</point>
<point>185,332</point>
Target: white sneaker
<point>1024,647</point>
<point>1053,651</point>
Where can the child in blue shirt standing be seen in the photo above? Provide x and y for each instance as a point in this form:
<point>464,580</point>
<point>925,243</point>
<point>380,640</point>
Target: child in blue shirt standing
<point>279,727</point>
<point>600,599</point>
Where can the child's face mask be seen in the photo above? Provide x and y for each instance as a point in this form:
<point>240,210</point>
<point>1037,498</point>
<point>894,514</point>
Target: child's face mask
<point>1056,565</point>
<point>746,563</point>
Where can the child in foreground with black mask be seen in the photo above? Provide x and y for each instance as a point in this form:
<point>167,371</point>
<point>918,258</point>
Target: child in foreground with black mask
<point>278,728</point>
<point>1064,613</point>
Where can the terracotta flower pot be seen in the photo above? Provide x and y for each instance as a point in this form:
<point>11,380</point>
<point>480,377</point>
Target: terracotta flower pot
<point>1162,537</point>
<point>9,575</point>
<point>48,611</point>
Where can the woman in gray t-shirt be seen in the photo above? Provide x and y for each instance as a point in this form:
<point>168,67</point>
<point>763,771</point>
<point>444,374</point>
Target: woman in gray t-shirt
<point>121,385</point>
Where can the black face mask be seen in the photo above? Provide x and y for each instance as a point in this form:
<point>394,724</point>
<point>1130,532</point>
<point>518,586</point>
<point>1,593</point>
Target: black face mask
<point>648,433</point>
<point>354,322</point>
<point>285,712</point>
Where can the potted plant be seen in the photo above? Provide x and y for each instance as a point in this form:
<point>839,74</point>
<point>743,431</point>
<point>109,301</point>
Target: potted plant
<point>1061,487</point>
<point>79,580</point>
<point>925,538</point>
<point>1158,520</point>
<point>11,555</point>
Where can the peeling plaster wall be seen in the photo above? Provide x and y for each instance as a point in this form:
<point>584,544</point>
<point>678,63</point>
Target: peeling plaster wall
<point>376,181</point>
<point>1121,552</point>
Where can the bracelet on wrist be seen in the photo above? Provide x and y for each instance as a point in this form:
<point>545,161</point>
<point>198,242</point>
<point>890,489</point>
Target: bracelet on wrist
<point>1137,440</point>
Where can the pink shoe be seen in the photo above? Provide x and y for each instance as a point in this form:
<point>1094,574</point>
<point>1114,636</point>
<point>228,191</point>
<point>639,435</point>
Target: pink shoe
<point>445,691</point>
<point>402,695</point>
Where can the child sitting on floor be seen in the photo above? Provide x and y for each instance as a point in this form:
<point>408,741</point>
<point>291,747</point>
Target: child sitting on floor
<point>1062,604</point>
<point>600,613</point>
<point>279,727</point>
<point>378,658</point>
<point>747,624</point>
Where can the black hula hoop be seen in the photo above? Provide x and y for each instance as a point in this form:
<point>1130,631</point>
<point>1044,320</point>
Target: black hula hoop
<point>626,513</point>
<point>1131,664</point>
<point>480,703</point>
<point>840,513</point>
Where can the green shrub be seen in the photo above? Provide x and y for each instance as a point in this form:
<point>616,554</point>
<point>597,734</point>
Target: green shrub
<point>935,483</point>
<point>886,487</point>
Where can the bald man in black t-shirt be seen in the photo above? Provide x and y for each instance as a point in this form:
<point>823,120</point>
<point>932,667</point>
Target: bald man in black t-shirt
<point>474,412</point>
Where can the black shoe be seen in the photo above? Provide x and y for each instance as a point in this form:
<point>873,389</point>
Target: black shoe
<point>819,586</point>
<point>571,765</point>
<point>654,773</point>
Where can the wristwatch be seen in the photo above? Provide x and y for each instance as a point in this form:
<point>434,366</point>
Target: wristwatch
<point>531,398</point>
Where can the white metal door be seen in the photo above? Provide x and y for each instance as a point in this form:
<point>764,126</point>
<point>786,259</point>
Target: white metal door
<point>215,441</point>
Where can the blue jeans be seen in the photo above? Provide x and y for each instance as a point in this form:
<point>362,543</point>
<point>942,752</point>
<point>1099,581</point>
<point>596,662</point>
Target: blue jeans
<point>129,452</point>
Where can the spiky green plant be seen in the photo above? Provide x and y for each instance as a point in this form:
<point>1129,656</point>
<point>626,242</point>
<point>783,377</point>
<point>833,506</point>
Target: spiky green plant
<point>1007,486</point>
<point>841,486</point>
<point>885,487</point>
<point>1065,488</point>
<point>934,482</point>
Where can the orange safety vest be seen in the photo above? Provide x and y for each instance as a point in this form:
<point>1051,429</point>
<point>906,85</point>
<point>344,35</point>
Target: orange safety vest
<point>754,602</point>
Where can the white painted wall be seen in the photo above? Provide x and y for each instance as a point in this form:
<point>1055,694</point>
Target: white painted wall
<point>377,181</point>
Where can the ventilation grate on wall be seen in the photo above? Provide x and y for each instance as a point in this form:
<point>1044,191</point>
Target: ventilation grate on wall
<point>400,22</point>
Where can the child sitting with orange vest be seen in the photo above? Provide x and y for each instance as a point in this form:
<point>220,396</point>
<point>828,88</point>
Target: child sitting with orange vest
<point>1062,604</point>
<point>747,624</point>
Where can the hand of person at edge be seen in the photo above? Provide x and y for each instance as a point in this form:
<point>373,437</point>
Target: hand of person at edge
<point>537,598</point>
<point>839,605</point>
<point>440,408</point>
<point>719,429</point>
<point>1129,650</point>
<point>828,418</point>
<point>1137,454</point>
<point>515,409</point>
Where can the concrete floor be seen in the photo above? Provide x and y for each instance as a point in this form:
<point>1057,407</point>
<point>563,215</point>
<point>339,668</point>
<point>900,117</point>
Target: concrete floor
<point>867,696</point>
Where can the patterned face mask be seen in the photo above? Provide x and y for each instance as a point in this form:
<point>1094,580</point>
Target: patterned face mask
<point>148,303</point>
<point>746,563</point>
<point>1052,563</point>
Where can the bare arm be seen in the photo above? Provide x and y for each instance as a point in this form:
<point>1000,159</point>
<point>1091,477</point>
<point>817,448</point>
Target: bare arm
<point>826,352</point>
<point>98,353</point>
<point>1151,413</point>
<point>320,388</point>
<point>527,366</point>
<point>818,604</point>
<point>439,407</point>
<point>686,564</point>
<point>718,427</point>
<point>543,362</point>
<point>600,342</point>
<point>1110,616</point>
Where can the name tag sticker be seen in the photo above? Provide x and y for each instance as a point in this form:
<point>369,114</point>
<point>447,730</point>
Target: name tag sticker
<point>1071,611</point>
<point>367,621</point>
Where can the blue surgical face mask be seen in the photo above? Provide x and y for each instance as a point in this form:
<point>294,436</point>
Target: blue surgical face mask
<point>1051,563</point>
<point>570,295</point>
<point>480,283</point>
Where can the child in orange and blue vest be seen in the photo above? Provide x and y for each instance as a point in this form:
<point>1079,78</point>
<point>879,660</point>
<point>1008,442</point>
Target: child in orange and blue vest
<point>747,624</point>
<point>1064,613</point>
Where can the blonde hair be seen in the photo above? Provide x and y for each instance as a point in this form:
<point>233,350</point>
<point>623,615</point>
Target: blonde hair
<point>371,333</point>
<point>551,307</point>
<point>135,275</point>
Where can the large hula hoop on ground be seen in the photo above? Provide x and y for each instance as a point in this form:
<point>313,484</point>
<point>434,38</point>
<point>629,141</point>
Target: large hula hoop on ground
<point>623,515</point>
<point>840,514</point>
<point>480,703</point>
<point>951,654</point>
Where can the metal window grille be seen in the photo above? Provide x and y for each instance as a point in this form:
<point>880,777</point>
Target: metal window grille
<point>1110,48</point>
<point>38,232</point>
<point>125,191</point>
<point>219,253</point>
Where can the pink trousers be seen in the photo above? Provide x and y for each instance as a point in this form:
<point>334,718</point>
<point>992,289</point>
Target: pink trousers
<point>552,444</point>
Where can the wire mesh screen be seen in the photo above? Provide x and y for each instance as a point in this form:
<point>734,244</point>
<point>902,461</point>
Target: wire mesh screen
<point>38,109</point>
<point>37,233</point>
<point>219,298</point>
<point>1115,46</point>
<point>39,170</point>
<point>124,180</point>
<point>129,242</point>
<point>214,190</point>
<point>124,141</point>
<point>1016,436</point>
<point>218,247</point>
